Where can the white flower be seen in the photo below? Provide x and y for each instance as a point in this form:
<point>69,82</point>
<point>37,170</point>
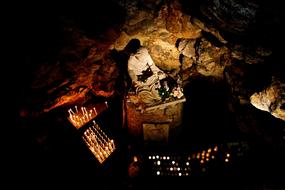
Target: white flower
<point>177,92</point>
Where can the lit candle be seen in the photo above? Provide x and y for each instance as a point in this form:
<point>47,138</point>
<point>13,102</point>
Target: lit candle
<point>85,111</point>
<point>113,144</point>
<point>71,111</point>
<point>110,146</point>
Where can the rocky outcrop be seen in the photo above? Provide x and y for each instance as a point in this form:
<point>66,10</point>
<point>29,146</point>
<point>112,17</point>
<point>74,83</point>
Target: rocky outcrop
<point>83,66</point>
<point>250,55</point>
<point>231,15</point>
<point>211,59</point>
<point>271,99</point>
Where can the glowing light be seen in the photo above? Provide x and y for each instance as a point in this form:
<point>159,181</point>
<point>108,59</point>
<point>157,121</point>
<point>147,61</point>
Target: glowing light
<point>228,155</point>
<point>158,173</point>
<point>80,118</point>
<point>158,162</point>
<point>187,163</point>
<point>135,159</point>
<point>98,142</point>
<point>180,174</point>
<point>216,148</point>
<point>201,161</point>
<point>171,169</point>
<point>226,160</point>
<point>167,157</point>
<point>153,157</point>
<point>213,157</point>
<point>173,162</point>
<point>178,169</point>
<point>157,157</point>
<point>149,157</point>
<point>209,150</point>
<point>164,157</point>
<point>198,155</point>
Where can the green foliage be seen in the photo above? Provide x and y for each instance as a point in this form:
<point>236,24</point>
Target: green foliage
<point>163,93</point>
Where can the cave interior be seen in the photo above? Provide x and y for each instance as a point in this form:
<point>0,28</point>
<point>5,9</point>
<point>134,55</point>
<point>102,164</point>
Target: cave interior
<point>229,56</point>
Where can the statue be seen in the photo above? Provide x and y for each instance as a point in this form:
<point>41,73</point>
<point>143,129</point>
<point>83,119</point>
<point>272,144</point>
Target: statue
<point>145,75</point>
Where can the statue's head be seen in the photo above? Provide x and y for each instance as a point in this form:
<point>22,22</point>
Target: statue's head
<point>133,45</point>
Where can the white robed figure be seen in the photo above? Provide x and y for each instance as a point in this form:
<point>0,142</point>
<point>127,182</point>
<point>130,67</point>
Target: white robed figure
<point>145,75</point>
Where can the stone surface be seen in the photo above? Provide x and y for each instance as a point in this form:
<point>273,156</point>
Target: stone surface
<point>210,60</point>
<point>231,15</point>
<point>271,99</point>
<point>186,47</point>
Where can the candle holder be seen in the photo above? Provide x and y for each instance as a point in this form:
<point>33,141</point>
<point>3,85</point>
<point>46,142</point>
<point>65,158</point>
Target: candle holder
<point>98,142</point>
<point>78,117</point>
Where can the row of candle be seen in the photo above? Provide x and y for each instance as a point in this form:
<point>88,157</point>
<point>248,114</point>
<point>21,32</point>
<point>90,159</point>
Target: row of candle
<point>180,165</point>
<point>198,155</point>
<point>80,118</point>
<point>98,142</point>
<point>158,172</point>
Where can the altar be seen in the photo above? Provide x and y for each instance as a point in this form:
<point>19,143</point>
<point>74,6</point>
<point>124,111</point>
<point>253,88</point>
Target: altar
<point>155,124</point>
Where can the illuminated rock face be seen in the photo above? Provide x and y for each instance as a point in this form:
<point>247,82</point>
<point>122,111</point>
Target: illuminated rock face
<point>271,99</point>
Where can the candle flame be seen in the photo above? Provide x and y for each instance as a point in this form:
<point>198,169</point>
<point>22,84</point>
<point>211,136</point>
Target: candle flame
<point>98,142</point>
<point>80,118</point>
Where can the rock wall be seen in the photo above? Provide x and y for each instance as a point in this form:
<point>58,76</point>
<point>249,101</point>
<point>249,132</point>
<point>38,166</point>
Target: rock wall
<point>220,40</point>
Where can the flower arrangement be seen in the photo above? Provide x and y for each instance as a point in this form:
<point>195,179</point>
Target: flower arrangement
<point>167,91</point>
<point>177,92</point>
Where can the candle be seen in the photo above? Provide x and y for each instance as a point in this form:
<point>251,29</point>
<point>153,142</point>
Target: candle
<point>95,110</point>
<point>113,145</point>
<point>98,142</point>
<point>85,110</point>
<point>110,146</point>
<point>71,111</point>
